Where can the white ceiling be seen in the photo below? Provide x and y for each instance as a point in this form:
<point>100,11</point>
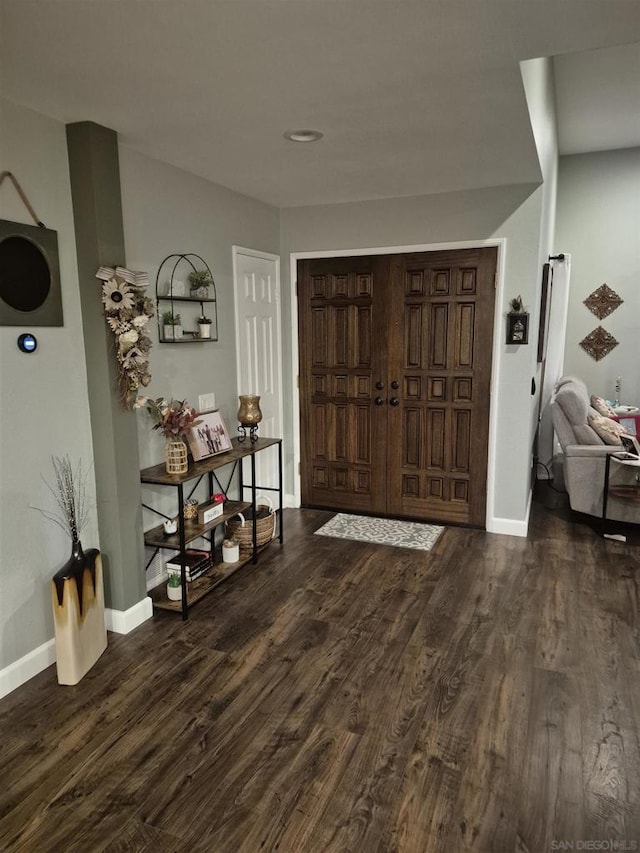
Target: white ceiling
<point>598,99</point>
<point>413,97</point>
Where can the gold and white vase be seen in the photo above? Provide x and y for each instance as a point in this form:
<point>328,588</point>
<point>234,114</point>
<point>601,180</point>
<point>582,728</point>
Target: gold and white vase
<point>175,455</point>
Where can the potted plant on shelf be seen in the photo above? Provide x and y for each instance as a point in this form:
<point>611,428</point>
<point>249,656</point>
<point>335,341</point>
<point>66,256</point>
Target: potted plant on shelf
<point>174,588</point>
<point>199,282</point>
<point>174,419</point>
<point>204,326</point>
<point>172,325</point>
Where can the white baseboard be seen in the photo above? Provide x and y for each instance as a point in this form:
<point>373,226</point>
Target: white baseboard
<point>508,527</point>
<point>124,621</point>
<point>511,526</point>
<point>26,667</point>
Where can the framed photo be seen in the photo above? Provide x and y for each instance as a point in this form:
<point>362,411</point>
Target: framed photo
<point>545,308</point>
<point>517,329</point>
<point>209,437</point>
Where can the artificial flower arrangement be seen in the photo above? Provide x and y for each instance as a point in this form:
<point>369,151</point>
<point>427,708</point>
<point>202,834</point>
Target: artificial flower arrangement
<point>173,418</point>
<point>128,311</point>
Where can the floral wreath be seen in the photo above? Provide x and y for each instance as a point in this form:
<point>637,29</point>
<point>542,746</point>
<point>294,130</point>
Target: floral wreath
<point>128,311</point>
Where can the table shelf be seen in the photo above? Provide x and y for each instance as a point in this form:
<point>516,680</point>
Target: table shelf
<point>188,531</point>
<point>198,588</point>
<point>156,537</point>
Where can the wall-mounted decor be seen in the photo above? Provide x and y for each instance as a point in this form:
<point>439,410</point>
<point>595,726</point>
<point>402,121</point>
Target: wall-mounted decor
<point>603,301</point>
<point>598,343</point>
<point>517,322</point>
<point>545,311</point>
<point>128,311</point>
<point>517,329</point>
<point>198,309</point>
<point>29,270</point>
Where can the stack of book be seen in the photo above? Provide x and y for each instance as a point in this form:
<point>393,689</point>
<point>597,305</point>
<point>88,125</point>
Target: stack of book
<point>196,562</point>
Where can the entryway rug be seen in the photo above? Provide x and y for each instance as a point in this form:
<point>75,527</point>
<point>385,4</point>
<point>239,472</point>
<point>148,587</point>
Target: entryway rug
<point>382,531</point>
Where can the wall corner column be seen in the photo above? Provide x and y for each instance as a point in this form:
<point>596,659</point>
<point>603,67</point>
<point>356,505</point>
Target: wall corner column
<point>97,212</point>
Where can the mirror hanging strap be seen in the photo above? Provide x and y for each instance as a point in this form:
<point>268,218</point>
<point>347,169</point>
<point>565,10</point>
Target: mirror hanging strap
<point>22,195</point>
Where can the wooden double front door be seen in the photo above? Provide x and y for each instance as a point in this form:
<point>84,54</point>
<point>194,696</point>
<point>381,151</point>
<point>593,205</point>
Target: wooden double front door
<point>395,372</point>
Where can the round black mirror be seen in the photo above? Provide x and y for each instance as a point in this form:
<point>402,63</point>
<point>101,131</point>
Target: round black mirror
<point>25,278</point>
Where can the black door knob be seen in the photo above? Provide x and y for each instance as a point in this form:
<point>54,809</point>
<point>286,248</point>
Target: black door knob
<point>395,384</point>
<point>394,401</point>
<point>379,385</point>
<point>378,401</point>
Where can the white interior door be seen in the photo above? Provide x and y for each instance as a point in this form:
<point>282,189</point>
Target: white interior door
<point>259,348</point>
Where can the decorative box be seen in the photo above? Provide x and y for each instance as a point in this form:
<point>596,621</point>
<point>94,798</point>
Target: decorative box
<point>207,512</point>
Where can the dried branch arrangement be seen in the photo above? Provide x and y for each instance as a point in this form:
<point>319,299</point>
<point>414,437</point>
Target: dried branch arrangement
<point>70,496</point>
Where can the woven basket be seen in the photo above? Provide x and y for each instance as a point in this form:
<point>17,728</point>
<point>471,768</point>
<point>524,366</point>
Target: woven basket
<point>241,528</point>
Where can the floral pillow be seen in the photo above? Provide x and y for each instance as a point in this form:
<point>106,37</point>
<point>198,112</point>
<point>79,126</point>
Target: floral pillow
<point>608,430</point>
<point>602,407</point>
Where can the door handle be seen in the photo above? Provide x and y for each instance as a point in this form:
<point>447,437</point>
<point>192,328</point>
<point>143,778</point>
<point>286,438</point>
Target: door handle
<point>394,401</point>
<point>379,401</point>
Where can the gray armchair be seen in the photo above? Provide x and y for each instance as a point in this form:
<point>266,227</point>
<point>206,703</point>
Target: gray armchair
<point>585,455</point>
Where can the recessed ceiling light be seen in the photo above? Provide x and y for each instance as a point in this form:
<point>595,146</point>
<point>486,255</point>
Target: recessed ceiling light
<point>303,135</point>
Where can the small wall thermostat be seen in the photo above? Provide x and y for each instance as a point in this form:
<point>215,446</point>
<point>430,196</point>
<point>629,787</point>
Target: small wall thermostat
<point>27,343</point>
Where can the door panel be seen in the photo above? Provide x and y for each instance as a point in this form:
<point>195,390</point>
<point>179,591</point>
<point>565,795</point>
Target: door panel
<point>442,345</point>
<point>342,354</point>
<point>259,349</point>
<point>395,368</point>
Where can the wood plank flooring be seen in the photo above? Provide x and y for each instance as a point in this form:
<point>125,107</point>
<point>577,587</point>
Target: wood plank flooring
<point>347,697</point>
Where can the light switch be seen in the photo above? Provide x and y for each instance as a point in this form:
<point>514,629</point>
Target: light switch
<point>206,402</point>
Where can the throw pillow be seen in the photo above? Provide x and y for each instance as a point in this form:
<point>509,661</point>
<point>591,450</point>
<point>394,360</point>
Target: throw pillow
<point>602,407</point>
<point>608,430</point>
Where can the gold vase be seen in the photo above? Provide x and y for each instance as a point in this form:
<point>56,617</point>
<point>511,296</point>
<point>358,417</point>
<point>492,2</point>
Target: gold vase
<point>249,413</point>
<point>175,456</point>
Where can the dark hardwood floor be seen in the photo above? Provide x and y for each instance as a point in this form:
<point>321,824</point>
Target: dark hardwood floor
<point>347,697</point>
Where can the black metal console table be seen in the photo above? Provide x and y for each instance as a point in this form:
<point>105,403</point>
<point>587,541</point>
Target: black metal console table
<point>219,572</point>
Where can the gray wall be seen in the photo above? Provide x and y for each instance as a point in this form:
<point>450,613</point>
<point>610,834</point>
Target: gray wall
<point>167,211</point>
<point>598,222</point>
<point>44,409</point>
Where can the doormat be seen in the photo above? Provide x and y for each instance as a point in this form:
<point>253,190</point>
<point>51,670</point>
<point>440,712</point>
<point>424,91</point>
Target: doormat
<point>382,531</point>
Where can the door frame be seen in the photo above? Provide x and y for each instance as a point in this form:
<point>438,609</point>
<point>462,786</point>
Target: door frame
<point>501,244</point>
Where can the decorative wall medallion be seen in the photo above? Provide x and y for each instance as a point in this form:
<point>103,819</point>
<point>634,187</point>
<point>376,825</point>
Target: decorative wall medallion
<point>603,301</point>
<point>598,343</point>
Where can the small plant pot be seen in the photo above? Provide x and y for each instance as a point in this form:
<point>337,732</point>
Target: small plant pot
<point>200,292</point>
<point>204,330</point>
<point>230,553</point>
<point>174,593</point>
<point>172,333</point>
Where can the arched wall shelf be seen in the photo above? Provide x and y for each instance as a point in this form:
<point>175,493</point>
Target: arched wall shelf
<point>172,276</point>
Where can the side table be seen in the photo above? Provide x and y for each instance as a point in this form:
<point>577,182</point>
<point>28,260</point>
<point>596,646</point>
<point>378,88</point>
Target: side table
<point>624,492</point>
